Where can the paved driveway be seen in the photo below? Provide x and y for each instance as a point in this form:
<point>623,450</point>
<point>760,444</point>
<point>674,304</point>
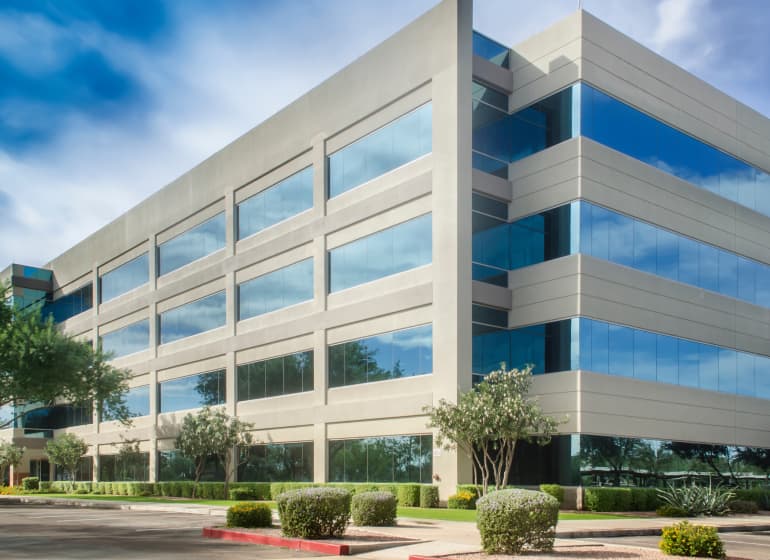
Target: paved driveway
<point>752,546</point>
<point>50,532</point>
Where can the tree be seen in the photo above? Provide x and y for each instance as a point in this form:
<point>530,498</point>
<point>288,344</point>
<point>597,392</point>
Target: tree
<point>10,456</point>
<point>212,432</point>
<point>41,364</point>
<point>488,421</point>
<point>66,451</point>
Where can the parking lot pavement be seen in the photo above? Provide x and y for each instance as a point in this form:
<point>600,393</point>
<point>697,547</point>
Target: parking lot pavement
<point>751,546</point>
<point>34,532</point>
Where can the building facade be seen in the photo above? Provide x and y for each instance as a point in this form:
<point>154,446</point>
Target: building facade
<point>576,203</point>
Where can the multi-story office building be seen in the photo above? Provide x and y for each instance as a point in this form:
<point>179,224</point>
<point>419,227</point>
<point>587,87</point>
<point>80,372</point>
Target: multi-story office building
<point>439,206</point>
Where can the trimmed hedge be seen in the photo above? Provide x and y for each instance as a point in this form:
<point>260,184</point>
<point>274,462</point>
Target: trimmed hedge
<point>314,513</point>
<point>249,515</point>
<point>462,500</point>
<point>554,490</point>
<point>760,496</point>
<point>373,509</point>
<point>408,495</point>
<point>30,483</point>
<point>428,496</point>
<point>253,491</point>
<point>513,520</point>
<point>743,506</point>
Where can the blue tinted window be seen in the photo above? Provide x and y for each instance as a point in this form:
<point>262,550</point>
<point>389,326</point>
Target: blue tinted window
<point>125,278</point>
<point>127,340</point>
<point>493,51</point>
<point>396,249</point>
<point>192,245</point>
<point>192,318</point>
<point>392,146</point>
<point>382,459</point>
<point>70,305</point>
<point>277,376</point>
<point>193,391</point>
<point>403,353</point>
<point>137,401</point>
<point>278,289</point>
<point>276,204</point>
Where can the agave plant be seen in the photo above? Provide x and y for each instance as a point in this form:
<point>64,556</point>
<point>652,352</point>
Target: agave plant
<point>698,500</point>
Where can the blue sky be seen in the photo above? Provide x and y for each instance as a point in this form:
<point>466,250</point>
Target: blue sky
<point>104,102</point>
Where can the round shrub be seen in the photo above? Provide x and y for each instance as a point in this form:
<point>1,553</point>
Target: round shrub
<point>461,500</point>
<point>741,506</point>
<point>314,513</point>
<point>249,515</point>
<point>374,509</point>
<point>511,520</point>
<point>30,483</point>
<point>684,539</point>
<point>671,511</point>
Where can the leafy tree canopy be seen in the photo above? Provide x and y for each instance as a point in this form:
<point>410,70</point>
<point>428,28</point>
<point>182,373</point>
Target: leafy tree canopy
<point>488,421</point>
<point>41,364</point>
<point>65,451</point>
<point>10,456</point>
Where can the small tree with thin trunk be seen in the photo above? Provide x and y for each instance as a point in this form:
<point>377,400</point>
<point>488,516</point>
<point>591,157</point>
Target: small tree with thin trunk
<point>65,451</point>
<point>212,432</point>
<point>487,422</point>
<point>10,456</point>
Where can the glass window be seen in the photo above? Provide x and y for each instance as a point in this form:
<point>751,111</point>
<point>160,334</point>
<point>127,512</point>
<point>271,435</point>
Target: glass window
<point>70,305</point>
<point>193,391</point>
<point>396,249</point>
<point>192,245</point>
<point>84,471</point>
<point>193,318</point>
<point>127,340</point>
<point>402,353</point>
<point>54,417</point>
<point>382,459</point>
<point>173,466</point>
<point>491,50</point>
<point>277,462</point>
<point>128,467</point>
<point>395,144</point>
<point>275,204</point>
<point>125,278</point>
<point>275,290</point>
<point>137,401</point>
<point>283,375</point>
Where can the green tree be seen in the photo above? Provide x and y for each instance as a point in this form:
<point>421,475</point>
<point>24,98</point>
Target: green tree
<point>212,432</point>
<point>66,451</point>
<point>10,456</point>
<point>487,422</point>
<point>41,364</point>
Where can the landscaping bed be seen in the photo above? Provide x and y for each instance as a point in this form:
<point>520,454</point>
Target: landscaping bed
<point>568,551</point>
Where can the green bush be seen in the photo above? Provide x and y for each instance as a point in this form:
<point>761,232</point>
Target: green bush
<point>760,496</point>
<point>251,491</point>
<point>428,496</point>
<point>278,488</point>
<point>186,489</point>
<point>313,513</point>
<point>83,488</point>
<point>554,490</point>
<point>513,520</point>
<point>470,488</point>
<point>249,515</point>
<point>698,500</point>
<point>608,499</point>
<point>670,511</point>
<point>45,486</point>
<point>461,500</point>
<point>644,499</point>
<point>373,509</point>
<point>30,483</point>
<point>684,539</point>
<point>743,506</point>
<point>409,495</point>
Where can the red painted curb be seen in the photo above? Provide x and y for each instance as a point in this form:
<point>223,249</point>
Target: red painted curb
<point>418,557</point>
<point>270,540</point>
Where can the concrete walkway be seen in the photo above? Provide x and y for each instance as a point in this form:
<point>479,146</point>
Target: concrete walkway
<point>442,537</point>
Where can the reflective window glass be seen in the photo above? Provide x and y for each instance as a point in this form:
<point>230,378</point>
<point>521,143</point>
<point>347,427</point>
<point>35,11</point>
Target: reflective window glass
<point>193,318</point>
<point>382,459</point>
<point>137,401</point>
<point>127,340</point>
<point>70,305</point>
<point>192,245</point>
<point>396,249</point>
<point>173,466</point>
<point>193,391</point>
<point>402,353</point>
<point>125,278</point>
<point>125,467</point>
<point>277,462</point>
<point>395,144</point>
<point>275,204</point>
<point>276,376</point>
<point>491,50</point>
<point>275,290</point>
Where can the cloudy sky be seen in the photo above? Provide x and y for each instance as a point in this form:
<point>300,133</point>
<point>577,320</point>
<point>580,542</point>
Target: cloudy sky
<point>104,102</point>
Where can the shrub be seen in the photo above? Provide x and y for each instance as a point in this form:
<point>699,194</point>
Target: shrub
<point>644,499</point>
<point>249,515</point>
<point>428,496</point>
<point>698,500</point>
<point>409,495</point>
<point>743,506</point>
<point>186,489</point>
<point>462,500</point>
<point>670,511</point>
<point>250,491</point>
<point>684,539</point>
<point>30,483</point>
<point>313,513</point>
<point>45,486</point>
<point>511,520</point>
<point>761,496</point>
<point>471,488</point>
<point>278,488</point>
<point>373,509</point>
<point>608,499</point>
<point>554,490</point>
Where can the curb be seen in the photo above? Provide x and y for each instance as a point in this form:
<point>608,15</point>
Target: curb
<point>652,531</point>
<point>293,544</point>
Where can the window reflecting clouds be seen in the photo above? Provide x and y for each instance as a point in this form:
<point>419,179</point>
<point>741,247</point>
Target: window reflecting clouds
<point>127,340</point>
<point>192,318</point>
<point>192,245</point>
<point>125,278</point>
<point>281,288</point>
<point>193,391</point>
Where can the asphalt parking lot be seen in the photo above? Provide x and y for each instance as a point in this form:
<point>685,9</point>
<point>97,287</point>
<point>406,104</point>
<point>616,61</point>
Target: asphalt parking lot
<point>50,532</point>
<point>751,546</point>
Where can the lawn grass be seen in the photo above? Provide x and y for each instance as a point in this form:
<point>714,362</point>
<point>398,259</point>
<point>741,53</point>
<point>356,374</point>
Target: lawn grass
<point>470,514</point>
